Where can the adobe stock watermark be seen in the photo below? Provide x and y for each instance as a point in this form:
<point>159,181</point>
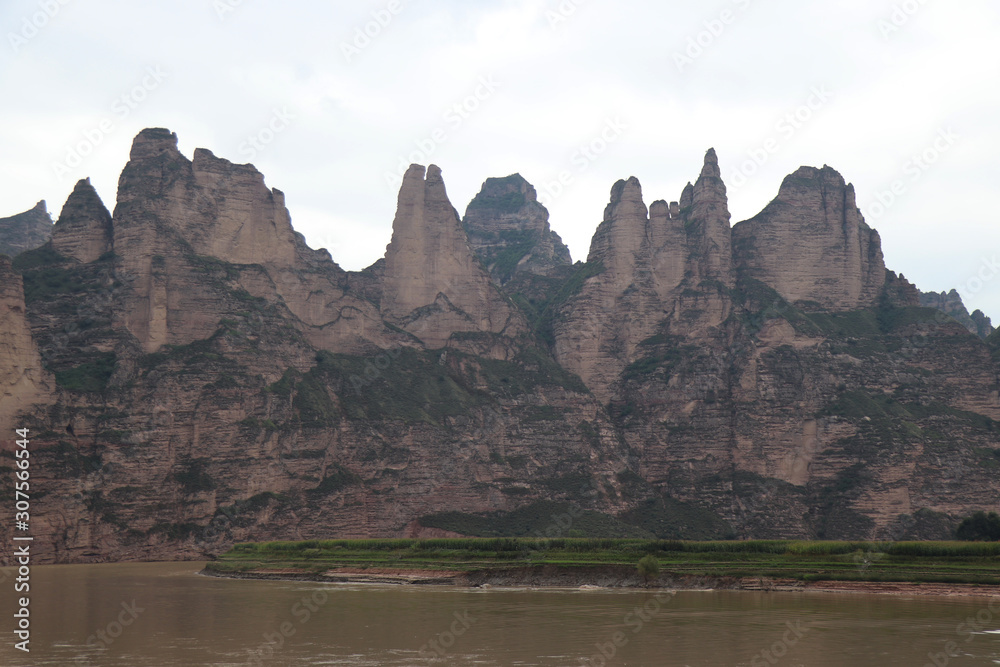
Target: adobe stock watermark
<point>635,620</point>
<point>901,14</point>
<point>224,8</point>
<point>582,159</point>
<point>103,638</point>
<point>982,622</point>
<point>703,40</point>
<point>786,128</point>
<point>303,610</point>
<point>913,170</point>
<point>366,34</point>
<point>440,645</point>
<point>123,107</point>
<point>562,13</point>
<point>454,117</point>
<point>32,25</point>
<point>779,649</point>
<point>281,119</point>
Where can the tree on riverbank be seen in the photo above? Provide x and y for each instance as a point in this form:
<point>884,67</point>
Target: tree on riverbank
<point>649,568</point>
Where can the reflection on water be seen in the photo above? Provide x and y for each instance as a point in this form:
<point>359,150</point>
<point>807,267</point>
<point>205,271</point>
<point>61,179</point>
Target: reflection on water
<point>164,614</point>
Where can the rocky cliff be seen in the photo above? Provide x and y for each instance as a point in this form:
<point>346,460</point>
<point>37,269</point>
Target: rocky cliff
<point>83,231</point>
<point>663,271</point>
<point>433,285</point>
<point>509,231</point>
<point>952,305</point>
<point>193,373</point>
<point>812,245</point>
<point>23,382</point>
<point>25,231</point>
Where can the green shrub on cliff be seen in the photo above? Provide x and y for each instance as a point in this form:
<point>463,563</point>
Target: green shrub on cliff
<point>980,527</point>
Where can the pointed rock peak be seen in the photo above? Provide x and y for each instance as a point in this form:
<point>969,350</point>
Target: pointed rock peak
<point>41,207</point>
<point>429,261</point>
<point>435,182</point>
<point>710,169</point>
<point>84,196</point>
<point>152,142</point>
<point>84,230</point>
<point>687,196</point>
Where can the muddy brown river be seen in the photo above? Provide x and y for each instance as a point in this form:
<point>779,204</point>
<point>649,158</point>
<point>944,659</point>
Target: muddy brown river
<point>165,615</point>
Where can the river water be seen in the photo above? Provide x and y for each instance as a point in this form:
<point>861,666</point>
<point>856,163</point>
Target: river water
<point>165,614</point>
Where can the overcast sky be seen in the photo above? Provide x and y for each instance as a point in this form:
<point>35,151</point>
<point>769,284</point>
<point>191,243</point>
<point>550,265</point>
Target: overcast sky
<point>645,87</point>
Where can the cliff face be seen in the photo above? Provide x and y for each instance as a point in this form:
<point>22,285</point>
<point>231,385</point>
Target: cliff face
<point>195,237</point>
<point>23,382</point>
<point>25,231</point>
<point>509,230</point>
<point>84,230</point>
<point>812,245</point>
<point>433,285</point>
<point>665,271</point>
<point>952,305</point>
<point>193,374</point>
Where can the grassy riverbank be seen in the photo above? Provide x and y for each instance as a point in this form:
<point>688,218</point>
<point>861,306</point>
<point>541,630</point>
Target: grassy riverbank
<point>931,562</point>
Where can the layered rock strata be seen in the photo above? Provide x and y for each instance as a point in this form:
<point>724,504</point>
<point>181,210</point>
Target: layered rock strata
<point>812,245</point>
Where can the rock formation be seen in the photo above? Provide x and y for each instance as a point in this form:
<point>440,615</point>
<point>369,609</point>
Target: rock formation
<point>22,380</point>
<point>25,231</point>
<point>951,304</point>
<point>812,245</point>
<point>663,271</point>
<point>433,285</point>
<point>213,379</point>
<point>509,230</point>
<point>176,219</point>
<point>899,291</point>
<point>84,230</point>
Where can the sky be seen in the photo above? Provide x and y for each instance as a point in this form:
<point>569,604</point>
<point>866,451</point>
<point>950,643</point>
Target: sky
<point>331,101</point>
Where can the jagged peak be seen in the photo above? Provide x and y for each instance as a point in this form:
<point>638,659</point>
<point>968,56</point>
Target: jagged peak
<point>710,169</point>
<point>687,195</point>
<point>84,195</point>
<point>628,192</point>
<point>435,181</point>
<point>205,161</point>
<point>802,176</point>
<point>152,142</point>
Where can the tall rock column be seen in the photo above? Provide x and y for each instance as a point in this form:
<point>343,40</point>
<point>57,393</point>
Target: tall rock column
<point>665,271</point>
<point>433,285</point>
<point>705,209</point>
